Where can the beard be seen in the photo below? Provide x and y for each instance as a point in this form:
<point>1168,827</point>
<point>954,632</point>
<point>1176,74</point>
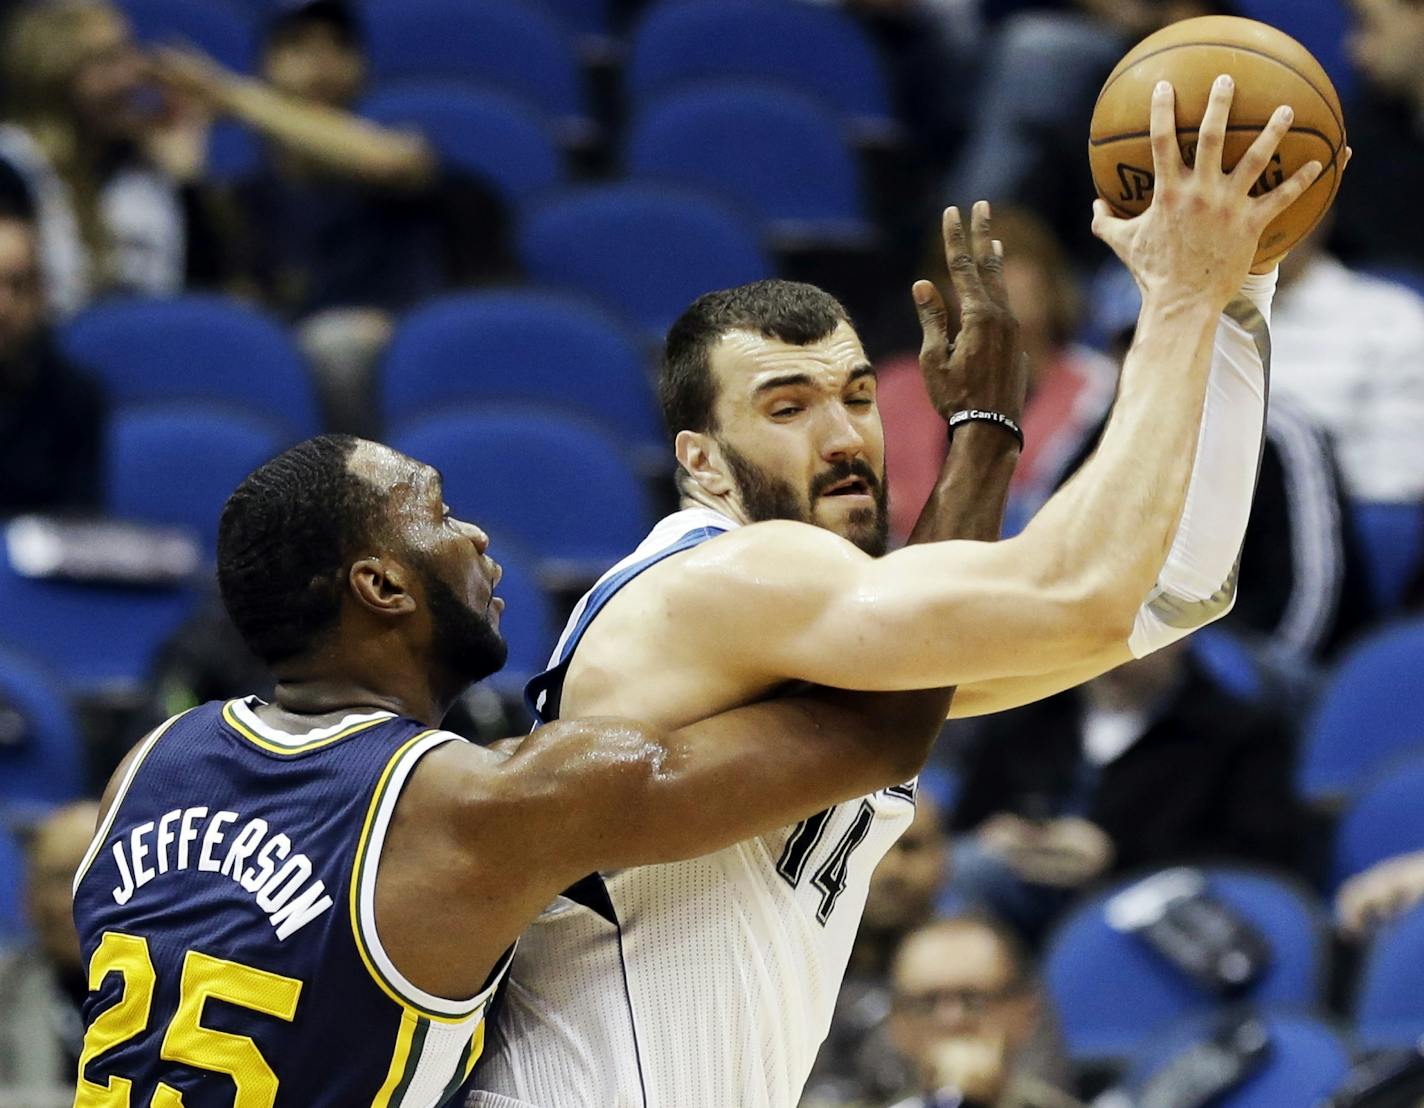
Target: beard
<point>766,497</point>
<point>465,643</point>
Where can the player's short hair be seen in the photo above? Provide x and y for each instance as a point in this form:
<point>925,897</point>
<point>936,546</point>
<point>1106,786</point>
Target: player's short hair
<point>790,311</point>
<point>284,540</point>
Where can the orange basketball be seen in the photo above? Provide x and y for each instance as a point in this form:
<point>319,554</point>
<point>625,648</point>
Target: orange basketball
<point>1270,69</point>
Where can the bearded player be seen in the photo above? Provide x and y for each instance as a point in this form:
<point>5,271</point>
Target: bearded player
<point>710,983</point>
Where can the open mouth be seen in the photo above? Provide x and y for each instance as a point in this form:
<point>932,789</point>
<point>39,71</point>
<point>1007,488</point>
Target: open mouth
<point>851,486</point>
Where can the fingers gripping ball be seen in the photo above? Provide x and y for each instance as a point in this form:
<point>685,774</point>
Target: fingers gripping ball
<point>1270,69</point>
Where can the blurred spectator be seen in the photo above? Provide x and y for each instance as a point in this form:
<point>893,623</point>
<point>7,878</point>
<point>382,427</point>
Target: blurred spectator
<point>107,168</point>
<point>345,221</point>
<point>1041,80</point>
<point>1349,349</point>
<point>971,1022</point>
<point>1303,584</point>
<point>1149,764</point>
<point>51,416</point>
<point>43,983</point>
<point>1385,890</point>
<point>1070,386</point>
<point>1380,220</point>
<point>857,1064</point>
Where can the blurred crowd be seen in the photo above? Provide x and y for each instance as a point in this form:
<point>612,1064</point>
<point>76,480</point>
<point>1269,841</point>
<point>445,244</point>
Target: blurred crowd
<point>139,161</point>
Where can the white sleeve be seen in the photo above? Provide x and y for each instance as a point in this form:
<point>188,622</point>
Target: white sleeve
<point>1197,583</point>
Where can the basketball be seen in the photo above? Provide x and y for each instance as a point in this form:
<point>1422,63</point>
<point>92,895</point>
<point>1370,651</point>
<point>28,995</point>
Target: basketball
<point>1270,69</point>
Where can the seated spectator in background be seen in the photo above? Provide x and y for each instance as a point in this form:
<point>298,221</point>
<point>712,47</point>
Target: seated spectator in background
<point>1349,349</point>
<point>856,1064</point>
<point>1384,891</point>
<point>1304,590</point>
<point>1040,83</point>
<point>971,1021</point>
<point>108,169</point>
<point>1150,764</point>
<point>43,983</point>
<point>345,222</point>
<point>1070,386</point>
<point>51,416</point>
<point>1380,220</point>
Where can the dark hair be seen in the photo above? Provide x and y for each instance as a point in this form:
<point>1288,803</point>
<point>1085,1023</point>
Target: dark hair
<point>787,310</point>
<point>284,540</point>
<point>295,16</point>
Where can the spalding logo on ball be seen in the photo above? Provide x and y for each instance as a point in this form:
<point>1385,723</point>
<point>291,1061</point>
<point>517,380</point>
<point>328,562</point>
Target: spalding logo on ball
<point>1270,69</point>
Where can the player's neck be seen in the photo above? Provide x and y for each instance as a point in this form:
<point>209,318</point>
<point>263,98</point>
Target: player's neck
<point>331,683</point>
<point>694,496</point>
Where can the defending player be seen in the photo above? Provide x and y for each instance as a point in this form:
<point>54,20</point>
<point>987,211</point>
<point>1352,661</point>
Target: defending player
<point>309,903</point>
<point>710,983</point>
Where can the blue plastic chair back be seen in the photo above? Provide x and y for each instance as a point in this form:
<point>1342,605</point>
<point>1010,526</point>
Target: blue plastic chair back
<point>1392,543</point>
<point>91,635</point>
<point>1371,712</point>
<point>1389,1008</point>
<point>48,765</point>
<point>527,622</point>
<point>647,252</point>
<point>1305,1061</point>
<point>490,135</point>
<point>14,921</point>
<point>516,47</point>
<point>813,47</point>
<point>1385,820</point>
<point>225,30</point>
<point>559,487</point>
<point>194,348</point>
<point>1112,991</point>
<point>520,345</point>
<point>178,463</point>
<point>775,152</point>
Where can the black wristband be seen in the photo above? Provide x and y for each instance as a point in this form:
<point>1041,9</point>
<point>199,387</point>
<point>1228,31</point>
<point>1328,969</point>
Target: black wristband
<point>979,415</point>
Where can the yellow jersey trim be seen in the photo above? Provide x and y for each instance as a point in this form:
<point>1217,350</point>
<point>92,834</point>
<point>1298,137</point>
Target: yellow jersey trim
<point>231,719</point>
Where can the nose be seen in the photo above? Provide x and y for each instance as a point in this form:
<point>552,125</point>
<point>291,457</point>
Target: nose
<point>476,535</point>
<point>841,439</point>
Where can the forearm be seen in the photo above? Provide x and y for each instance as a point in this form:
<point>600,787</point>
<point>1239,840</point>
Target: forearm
<point>339,142</point>
<point>972,491</point>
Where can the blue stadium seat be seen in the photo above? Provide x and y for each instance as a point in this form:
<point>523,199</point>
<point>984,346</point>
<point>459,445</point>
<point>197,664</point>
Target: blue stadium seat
<point>813,47</point>
<point>47,764</point>
<point>504,44</point>
<point>1392,543</point>
<point>646,251</point>
<point>91,635</point>
<point>194,348</point>
<point>1384,820</point>
<point>1389,1007</point>
<point>527,622</point>
<point>223,29</point>
<point>1371,712</point>
<point>13,920</point>
<point>1111,991</point>
<point>521,345</point>
<point>1321,26</point>
<point>487,134</point>
<point>776,152</point>
<point>1306,1061</point>
<point>560,487</point>
<point>178,463</point>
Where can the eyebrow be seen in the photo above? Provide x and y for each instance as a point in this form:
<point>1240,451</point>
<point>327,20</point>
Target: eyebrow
<point>788,380</point>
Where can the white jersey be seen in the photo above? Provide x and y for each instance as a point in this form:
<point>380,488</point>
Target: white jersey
<point>700,984</point>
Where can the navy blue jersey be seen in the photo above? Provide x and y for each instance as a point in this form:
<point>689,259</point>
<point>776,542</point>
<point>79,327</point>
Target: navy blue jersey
<point>226,911</point>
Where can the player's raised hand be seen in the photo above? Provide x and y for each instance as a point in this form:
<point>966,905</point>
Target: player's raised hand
<point>1198,237</point>
<point>983,366</point>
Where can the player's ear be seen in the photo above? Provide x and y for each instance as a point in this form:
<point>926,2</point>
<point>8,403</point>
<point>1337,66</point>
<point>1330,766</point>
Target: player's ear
<point>381,585</point>
<point>702,459</point>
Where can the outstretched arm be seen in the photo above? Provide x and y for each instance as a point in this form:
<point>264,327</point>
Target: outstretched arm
<point>1071,586</point>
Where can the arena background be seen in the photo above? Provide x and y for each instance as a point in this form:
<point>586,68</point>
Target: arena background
<point>462,226</point>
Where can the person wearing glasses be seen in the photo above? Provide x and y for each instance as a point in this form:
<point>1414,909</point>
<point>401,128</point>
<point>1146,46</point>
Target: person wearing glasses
<point>971,1023</point>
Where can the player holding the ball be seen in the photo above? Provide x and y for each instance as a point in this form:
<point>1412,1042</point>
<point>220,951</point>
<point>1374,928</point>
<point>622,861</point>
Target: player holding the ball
<point>711,982</point>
